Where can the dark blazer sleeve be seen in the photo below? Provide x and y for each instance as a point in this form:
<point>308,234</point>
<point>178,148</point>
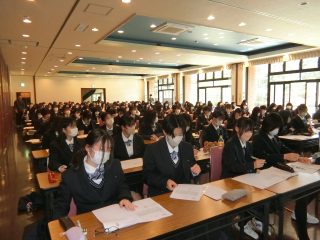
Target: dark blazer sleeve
<point>150,171</point>
<point>62,202</point>
<point>138,147</point>
<point>54,161</point>
<point>233,162</point>
<point>123,188</point>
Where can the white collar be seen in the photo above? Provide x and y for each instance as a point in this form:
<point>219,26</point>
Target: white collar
<point>125,139</point>
<point>70,142</point>
<point>89,169</point>
<point>243,145</point>
<point>171,149</point>
<point>109,128</point>
<point>270,136</point>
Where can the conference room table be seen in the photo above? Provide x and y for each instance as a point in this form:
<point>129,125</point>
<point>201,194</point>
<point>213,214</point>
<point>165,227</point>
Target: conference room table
<point>300,142</point>
<point>40,159</point>
<point>189,219</point>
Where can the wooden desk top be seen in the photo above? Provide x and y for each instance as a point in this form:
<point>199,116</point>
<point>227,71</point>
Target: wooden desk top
<point>34,141</point>
<point>302,179</point>
<point>43,153</point>
<point>43,181</point>
<point>299,138</point>
<point>82,136</point>
<point>185,213</point>
<point>28,128</point>
<point>202,156</point>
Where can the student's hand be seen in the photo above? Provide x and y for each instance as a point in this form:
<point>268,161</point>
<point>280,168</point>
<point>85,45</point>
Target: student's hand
<point>292,157</point>
<point>171,184</point>
<point>195,152</point>
<point>62,168</point>
<point>258,163</point>
<point>154,137</point>
<point>304,160</point>
<point>195,169</point>
<point>127,204</point>
<point>258,171</point>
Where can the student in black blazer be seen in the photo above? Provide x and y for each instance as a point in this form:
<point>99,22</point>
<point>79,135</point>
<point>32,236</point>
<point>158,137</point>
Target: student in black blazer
<point>86,123</point>
<point>213,132</point>
<point>95,179</point>
<point>108,124</point>
<point>203,118</point>
<point>63,149</point>
<point>300,122</point>
<point>128,144</point>
<point>169,161</point>
<point>237,152</point>
<point>149,128</point>
<point>266,145</point>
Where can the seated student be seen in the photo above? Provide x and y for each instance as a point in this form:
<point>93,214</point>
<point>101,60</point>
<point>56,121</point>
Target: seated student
<point>188,137</point>
<point>267,146</point>
<point>55,112</point>
<point>169,161</point>
<point>52,133</point>
<point>95,179</point>
<point>77,114</point>
<point>237,160</point>
<point>150,128</point>
<point>300,122</point>
<point>121,113</point>
<point>128,144</point>
<point>108,124</point>
<point>44,123</point>
<point>228,113</point>
<point>63,149</point>
<point>255,117</point>
<point>236,114</point>
<point>203,119</point>
<point>215,131</point>
<point>286,120</point>
<point>316,115</point>
<point>85,123</point>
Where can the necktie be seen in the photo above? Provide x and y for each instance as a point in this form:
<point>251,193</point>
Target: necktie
<point>71,147</point>
<point>128,143</point>
<point>174,156</point>
<point>244,151</point>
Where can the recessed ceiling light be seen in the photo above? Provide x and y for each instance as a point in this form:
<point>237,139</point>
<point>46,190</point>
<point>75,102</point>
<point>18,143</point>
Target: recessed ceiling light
<point>94,29</point>
<point>149,63</point>
<point>153,26</point>
<point>119,56</point>
<point>80,58</point>
<point>120,31</point>
<point>61,60</point>
<point>77,45</point>
<point>178,55</point>
<point>141,58</point>
<point>26,20</point>
<point>210,17</point>
<point>268,30</point>
<point>157,53</point>
<point>93,68</point>
<point>290,34</point>
<point>133,50</point>
<point>23,62</point>
<point>49,72</point>
<point>206,38</point>
<point>221,33</point>
<point>205,34</point>
<point>117,60</point>
<point>24,53</point>
<point>56,66</point>
<point>69,53</point>
<point>215,44</point>
<point>23,58</point>
<point>242,24</point>
<point>22,69</point>
<point>173,39</point>
<point>221,37</point>
<point>52,69</point>
<point>160,60</point>
<point>25,35</point>
<point>126,1</point>
<point>138,60</point>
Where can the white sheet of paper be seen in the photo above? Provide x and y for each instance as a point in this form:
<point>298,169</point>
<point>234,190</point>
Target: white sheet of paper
<point>266,178</point>
<point>304,167</point>
<point>114,216</point>
<point>34,140</point>
<point>188,192</point>
<point>214,192</point>
<point>131,163</point>
<point>298,137</point>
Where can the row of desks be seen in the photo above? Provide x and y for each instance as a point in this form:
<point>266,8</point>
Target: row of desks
<point>189,215</point>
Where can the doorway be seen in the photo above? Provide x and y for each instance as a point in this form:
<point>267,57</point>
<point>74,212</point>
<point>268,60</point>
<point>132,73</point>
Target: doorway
<point>93,94</point>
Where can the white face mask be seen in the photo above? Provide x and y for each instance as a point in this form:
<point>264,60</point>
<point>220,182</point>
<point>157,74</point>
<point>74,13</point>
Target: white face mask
<point>174,141</point>
<point>99,157</point>
<point>274,132</point>
<point>156,120</point>
<point>187,128</point>
<point>74,132</point>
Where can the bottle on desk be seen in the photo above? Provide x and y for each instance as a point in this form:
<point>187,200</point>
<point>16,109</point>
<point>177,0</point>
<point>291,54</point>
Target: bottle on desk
<point>52,177</point>
<point>220,141</point>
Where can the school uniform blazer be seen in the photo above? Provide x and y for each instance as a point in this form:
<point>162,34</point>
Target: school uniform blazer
<point>75,184</point>
<point>201,122</point>
<point>115,131</point>
<point>210,134</point>
<point>86,129</point>
<point>158,166</point>
<point>120,150</point>
<point>60,153</point>
<point>147,131</point>
<point>265,148</point>
<point>234,162</point>
<point>298,125</point>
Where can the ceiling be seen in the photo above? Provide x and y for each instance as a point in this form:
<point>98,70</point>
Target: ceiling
<point>51,47</point>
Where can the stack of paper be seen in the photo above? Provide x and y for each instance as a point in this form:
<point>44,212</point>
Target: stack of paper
<point>132,163</point>
<point>188,192</point>
<point>214,192</point>
<point>266,178</point>
<point>304,167</point>
<point>115,217</point>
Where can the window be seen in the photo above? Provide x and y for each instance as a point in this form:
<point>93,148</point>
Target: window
<point>310,63</point>
<point>260,96</point>
<point>166,90</point>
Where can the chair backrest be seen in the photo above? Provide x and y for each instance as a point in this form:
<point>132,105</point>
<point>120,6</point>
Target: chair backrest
<point>215,163</point>
<point>201,138</point>
<point>73,209</point>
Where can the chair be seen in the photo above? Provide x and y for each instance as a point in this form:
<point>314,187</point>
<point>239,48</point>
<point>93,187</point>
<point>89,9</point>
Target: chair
<point>215,163</point>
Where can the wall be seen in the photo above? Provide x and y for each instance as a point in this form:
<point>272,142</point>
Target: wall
<point>50,89</point>
<point>15,86</point>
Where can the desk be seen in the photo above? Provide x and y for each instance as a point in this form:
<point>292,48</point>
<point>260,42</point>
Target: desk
<point>28,128</point>
<point>188,216</point>
<point>39,154</point>
<point>40,159</point>
<point>34,141</point>
<point>293,188</point>
<point>48,190</point>
<point>82,136</point>
<point>300,142</point>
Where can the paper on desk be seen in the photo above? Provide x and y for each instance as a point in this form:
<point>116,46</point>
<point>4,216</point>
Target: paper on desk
<point>298,137</point>
<point>34,140</point>
<point>266,178</point>
<point>188,192</point>
<point>214,192</point>
<point>147,210</point>
<point>132,163</point>
<point>304,167</point>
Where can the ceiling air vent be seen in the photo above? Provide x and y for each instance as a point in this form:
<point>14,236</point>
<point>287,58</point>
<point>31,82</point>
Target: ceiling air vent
<point>171,28</point>
<point>251,42</point>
